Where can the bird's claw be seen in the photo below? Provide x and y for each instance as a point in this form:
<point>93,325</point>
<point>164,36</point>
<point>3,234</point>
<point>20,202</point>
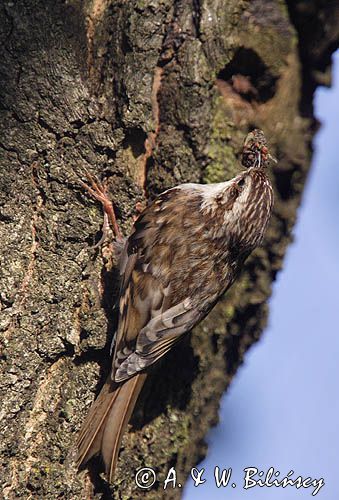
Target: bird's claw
<point>98,191</point>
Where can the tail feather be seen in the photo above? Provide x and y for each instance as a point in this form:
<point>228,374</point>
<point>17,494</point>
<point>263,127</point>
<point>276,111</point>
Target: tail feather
<point>90,436</point>
<point>106,422</point>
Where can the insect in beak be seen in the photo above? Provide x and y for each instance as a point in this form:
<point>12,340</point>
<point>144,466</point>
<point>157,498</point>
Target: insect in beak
<point>262,155</point>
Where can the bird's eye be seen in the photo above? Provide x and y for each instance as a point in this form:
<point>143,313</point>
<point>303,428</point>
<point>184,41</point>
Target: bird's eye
<point>241,183</point>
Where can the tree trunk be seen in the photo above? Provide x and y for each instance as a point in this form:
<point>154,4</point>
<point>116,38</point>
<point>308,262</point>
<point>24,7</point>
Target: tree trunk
<point>147,95</point>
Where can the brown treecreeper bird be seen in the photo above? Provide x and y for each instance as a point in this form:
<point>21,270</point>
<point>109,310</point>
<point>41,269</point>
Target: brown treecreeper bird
<point>186,249</point>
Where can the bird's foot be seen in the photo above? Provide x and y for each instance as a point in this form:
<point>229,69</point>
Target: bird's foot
<point>98,191</point>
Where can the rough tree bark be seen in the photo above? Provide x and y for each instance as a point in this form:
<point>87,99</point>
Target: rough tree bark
<point>148,94</point>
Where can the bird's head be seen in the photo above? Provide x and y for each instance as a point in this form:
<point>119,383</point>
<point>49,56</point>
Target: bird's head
<point>255,151</point>
<point>243,205</point>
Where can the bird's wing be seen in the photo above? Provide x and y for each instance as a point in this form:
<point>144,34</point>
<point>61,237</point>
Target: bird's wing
<point>153,315</point>
<point>157,337</point>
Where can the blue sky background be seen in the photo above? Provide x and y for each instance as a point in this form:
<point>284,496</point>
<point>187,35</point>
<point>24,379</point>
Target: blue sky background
<point>282,409</point>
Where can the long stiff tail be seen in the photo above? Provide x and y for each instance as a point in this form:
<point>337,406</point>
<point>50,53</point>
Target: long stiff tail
<point>106,422</point>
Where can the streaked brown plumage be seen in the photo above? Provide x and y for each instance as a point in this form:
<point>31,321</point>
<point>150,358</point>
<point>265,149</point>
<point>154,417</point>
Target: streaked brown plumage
<point>186,249</point>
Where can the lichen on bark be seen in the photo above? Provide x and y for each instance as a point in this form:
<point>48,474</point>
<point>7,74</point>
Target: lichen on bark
<point>147,95</point>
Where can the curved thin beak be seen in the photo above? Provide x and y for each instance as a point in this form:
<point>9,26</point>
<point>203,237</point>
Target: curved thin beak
<point>271,158</point>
